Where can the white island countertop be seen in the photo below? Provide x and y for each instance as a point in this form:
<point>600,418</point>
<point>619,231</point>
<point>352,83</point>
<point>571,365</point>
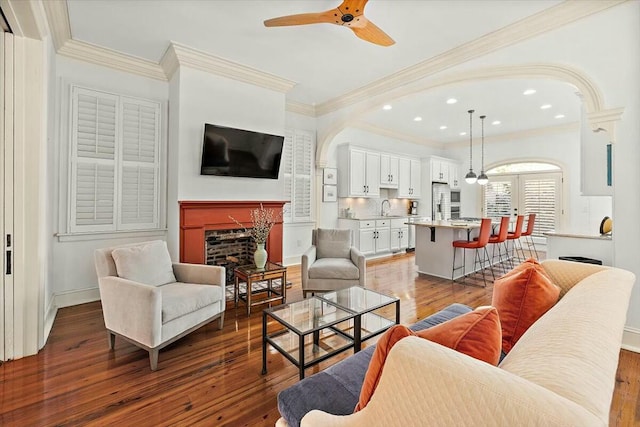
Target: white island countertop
<point>446,224</point>
<point>578,235</point>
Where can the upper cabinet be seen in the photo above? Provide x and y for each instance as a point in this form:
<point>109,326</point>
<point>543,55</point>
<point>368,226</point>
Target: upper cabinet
<point>409,178</point>
<point>446,171</point>
<point>358,172</point>
<point>388,171</point>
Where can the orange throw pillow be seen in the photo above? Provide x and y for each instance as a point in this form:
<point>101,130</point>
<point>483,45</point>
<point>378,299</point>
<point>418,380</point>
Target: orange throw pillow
<point>522,296</point>
<point>476,334</point>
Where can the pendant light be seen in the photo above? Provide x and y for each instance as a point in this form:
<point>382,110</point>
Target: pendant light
<point>483,179</point>
<point>470,177</point>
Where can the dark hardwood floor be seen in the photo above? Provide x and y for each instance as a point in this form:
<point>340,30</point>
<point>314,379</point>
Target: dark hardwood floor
<point>211,377</point>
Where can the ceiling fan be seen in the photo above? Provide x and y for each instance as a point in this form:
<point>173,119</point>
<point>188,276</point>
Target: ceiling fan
<point>349,14</point>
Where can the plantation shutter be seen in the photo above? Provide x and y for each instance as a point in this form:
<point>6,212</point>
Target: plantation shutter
<point>498,198</point>
<point>140,164</point>
<point>542,197</point>
<point>94,124</point>
<point>298,175</point>
<point>303,176</point>
<point>287,165</point>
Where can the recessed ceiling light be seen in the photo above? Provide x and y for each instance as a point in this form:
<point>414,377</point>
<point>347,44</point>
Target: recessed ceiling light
<point>443,127</point>
<point>496,122</point>
<point>559,116</point>
<point>529,92</point>
<point>387,107</point>
<point>545,106</point>
<point>417,119</point>
<point>463,133</point>
<point>451,101</point>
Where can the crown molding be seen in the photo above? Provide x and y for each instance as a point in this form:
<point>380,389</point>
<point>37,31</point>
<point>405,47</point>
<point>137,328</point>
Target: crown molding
<point>389,133</point>
<point>58,19</point>
<point>193,58</point>
<point>532,26</point>
<point>109,58</point>
<point>300,108</point>
<point>524,134</point>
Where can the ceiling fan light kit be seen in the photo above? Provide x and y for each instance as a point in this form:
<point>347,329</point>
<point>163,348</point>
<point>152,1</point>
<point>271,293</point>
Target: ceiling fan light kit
<point>470,177</point>
<point>349,14</point>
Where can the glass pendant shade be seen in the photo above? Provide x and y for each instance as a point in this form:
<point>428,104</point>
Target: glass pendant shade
<point>470,177</point>
<point>483,179</point>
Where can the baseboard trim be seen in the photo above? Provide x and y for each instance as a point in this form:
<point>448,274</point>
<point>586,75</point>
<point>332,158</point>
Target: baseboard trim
<point>292,260</point>
<point>50,317</point>
<point>76,297</point>
<point>631,339</point>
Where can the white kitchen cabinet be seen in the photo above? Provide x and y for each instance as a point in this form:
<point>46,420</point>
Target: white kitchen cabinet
<point>388,171</point>
<point>454,176</point>
<point>439,170</point>
<point>399,231</point>
<point>371,236</point>
<point>409,178</point>
<point>358,172</point>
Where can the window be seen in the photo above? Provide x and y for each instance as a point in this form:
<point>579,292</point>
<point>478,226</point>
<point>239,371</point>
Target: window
<point>523,188</point>
<point>114,163</point>
<point>298,175</point>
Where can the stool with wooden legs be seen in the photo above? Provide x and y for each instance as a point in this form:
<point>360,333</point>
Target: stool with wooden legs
<point>480,244</point>
<point>527,234</point>
<point>515,238</point>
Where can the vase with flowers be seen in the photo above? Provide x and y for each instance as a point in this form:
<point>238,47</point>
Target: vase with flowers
<point>263,220</point>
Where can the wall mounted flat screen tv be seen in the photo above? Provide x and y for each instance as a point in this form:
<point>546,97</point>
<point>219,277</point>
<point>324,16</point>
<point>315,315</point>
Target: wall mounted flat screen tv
<point>237,152</point>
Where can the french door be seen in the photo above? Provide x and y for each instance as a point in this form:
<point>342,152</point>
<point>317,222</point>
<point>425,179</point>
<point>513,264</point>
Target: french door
<point>525,193</point>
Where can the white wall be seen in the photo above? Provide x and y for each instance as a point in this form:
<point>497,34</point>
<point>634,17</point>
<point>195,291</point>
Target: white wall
<point>72,269</point>
<point>205,98</point>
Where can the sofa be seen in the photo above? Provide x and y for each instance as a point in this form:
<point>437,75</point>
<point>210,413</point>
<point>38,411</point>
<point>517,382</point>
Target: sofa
<point>560,372</point>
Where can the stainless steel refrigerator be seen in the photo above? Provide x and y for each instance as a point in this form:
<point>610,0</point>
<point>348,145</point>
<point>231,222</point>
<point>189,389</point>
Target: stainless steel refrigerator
<point>440,201</point>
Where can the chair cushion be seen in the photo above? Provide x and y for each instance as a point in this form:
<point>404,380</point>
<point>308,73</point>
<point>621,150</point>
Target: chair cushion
<point>147,263</point>
<point>522,296</point>
<point>334,268</point>
<point>476,334</point>
<point>179,299</point>
<point>333,243</point>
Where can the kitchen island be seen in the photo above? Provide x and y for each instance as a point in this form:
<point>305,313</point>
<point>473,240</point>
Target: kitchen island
<point>434,249</point>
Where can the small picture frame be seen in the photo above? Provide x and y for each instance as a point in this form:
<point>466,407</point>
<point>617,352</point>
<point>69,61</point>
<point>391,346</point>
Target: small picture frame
<point>330,176</point>
<point>329,193</point>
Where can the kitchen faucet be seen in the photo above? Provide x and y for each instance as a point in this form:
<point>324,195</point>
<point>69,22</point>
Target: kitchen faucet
<point>382,212</point>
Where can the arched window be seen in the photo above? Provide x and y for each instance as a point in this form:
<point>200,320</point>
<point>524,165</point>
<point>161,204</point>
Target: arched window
<point>524,188</point>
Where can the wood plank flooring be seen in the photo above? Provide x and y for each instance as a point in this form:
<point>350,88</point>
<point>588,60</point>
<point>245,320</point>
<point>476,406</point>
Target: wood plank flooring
<point>211,377</point>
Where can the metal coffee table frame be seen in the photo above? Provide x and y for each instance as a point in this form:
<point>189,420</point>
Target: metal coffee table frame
<point>343,314</point>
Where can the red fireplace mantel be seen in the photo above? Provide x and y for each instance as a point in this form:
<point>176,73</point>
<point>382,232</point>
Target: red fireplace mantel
<point>196,217</point>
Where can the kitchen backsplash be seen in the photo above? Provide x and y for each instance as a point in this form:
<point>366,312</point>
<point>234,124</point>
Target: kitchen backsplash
<point>362,207</point>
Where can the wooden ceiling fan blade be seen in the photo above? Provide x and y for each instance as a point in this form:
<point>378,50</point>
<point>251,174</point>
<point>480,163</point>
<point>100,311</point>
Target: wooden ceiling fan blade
<point>330,16</point>
<point>371,33</point>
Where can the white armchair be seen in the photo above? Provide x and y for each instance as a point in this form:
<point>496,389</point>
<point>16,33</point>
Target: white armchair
<point>152,302</point>
<point>331,263</point>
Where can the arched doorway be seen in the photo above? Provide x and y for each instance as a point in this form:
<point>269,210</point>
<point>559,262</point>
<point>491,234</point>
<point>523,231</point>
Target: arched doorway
<point>521,188</point>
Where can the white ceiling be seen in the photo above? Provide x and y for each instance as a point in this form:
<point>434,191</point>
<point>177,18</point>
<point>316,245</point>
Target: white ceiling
<point>327,61</point>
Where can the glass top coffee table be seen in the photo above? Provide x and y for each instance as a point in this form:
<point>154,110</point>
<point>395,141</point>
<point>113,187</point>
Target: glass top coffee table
<point>310,331</point>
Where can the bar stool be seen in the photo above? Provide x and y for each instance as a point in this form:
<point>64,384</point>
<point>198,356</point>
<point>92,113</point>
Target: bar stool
<point>527,234</point>
<point>481,243</point>
<point>497,240</point>
<point>515,237</point>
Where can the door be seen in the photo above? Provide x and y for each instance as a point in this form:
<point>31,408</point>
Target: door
<point>393,171</point>
<point>367,242</point>
<point>357,164</point>
<point>395,239</point>
<point>404,237</point>
<point>383,239</point>
<point>404,177</point>
<point>372,174</point>
<point>415,179</point>
<point>521,194</point>
<point>385,171</point>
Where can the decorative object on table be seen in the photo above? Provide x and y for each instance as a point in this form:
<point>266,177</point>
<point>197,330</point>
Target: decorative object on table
<point>330,176</point>
<point>483,179</point>
<point>330,193</point>
<point>606,225</point>
<point>470,177</point>
<point>263,220</point>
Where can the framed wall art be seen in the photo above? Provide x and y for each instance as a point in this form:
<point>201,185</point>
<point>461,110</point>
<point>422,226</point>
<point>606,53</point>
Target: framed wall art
<point>329,193</point>
<point>330,176</point>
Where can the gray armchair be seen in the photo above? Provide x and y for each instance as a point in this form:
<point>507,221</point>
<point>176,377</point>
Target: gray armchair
<point>152,302</point>
<point>331,263</point>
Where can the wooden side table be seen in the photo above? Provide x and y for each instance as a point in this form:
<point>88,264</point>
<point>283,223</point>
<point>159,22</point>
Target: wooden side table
<point>250,274</point>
